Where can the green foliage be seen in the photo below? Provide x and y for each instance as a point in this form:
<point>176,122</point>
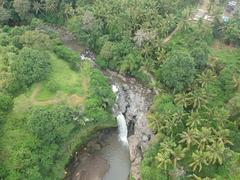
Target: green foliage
<point>69,56</point>
<point>50,124</point>
<point>36,40</point>
<point>31,66</point>
<point>6,102</point>
<point>52,86</point>
<point>178,70</point>
<point>100,99</point>
<point>232,32</point>
<point>22,8</point>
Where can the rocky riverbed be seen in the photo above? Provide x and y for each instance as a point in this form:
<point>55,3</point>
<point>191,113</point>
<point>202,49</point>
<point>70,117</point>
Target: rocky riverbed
<point>133,101</point>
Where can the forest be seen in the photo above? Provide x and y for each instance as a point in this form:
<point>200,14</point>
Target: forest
<point>49,97</point>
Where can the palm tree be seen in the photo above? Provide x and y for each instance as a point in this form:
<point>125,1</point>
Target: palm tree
<point>194,120</point>
<point>182,99</point>
<point>236,81</point>
<point>189,137</point>
<point>168,145</point>
<point>205,137</point>
<point>37,7</point>
<point>199,159</point>
<point>164,160</point>
<point>178,154</point>
<point>205,78</point>
<point>198,98</point>
<point>220,116</point>
<point>222,135</point>
<point>155,121</point>
<point>215,152</point>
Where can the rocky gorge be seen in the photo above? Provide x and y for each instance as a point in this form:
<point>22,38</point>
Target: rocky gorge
<point>133,102</point>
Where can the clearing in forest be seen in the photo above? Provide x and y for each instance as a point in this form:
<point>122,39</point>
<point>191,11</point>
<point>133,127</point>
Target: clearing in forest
<point>63,86</point>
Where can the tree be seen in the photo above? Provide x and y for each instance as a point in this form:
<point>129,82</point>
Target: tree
<point>205,78</point>
<point>178,153</point>
<point>31,66</point>
<point>142,36</point>
<point>22,7</point>
<point>37,7</point>
<point>4,15</point>
<point>194,120</point>
<point>198,98</point>
<point>215,152</point>
<point>178,71</point>
<point>199,158</point>
<point>182,99</point>
<point>50,124</point>
<point>36,39</point>
<point>205,137</point>
<point>6,102</point>
<point>222,136</point>
<point>200,55</point>
<point>164,160</point>
<point>189,137</point>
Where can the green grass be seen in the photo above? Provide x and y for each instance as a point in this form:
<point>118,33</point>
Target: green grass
<point>225,54</point>
<point>66,80</point>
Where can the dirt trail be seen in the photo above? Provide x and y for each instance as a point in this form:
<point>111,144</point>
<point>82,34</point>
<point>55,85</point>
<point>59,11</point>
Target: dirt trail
<point>73,99</point>
<point>42,103</point>
<point>169,37</point>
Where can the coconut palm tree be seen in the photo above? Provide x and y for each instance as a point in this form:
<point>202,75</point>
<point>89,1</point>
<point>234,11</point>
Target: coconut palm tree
<point>194,120</point>
<point>205,78</point>
<point>236,81</point>
<point>37,7</point>
<point>178,153</point>
<point>198,98</point>
<point>222,135</point>
<point>215,152</point>
<point>163,159</point>
<point>189,137</point>
<point>155,121</point>
<point>182,99</point>
<point>199,158</point>
<point>205,137</point>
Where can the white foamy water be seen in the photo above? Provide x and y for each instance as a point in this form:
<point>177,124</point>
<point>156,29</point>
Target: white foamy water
<point>114,89</point>
<point>122,129</point>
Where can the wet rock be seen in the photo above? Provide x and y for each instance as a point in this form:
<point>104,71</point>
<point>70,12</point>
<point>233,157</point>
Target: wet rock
<point>134,101</point>
<point>125,87</point>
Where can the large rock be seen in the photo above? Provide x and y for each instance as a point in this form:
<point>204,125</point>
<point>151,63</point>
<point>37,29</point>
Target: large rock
<point>134,101</point>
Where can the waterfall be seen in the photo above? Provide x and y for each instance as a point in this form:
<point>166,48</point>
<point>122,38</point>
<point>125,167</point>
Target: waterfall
<point>122,129</point>
<point>122,126</point>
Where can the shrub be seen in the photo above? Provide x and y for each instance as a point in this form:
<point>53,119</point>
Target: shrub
<point>31,66</point>
<point>71,57</point>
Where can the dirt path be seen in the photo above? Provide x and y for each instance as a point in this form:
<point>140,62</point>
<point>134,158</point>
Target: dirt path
<point>73,99</point>
<point>42,103</point>
<point>171,35</point>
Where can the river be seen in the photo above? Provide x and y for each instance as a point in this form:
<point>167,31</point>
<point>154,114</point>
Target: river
<point>114,153</point>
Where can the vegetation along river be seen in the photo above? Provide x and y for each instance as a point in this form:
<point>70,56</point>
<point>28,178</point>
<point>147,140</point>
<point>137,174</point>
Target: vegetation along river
<point>114,154</point>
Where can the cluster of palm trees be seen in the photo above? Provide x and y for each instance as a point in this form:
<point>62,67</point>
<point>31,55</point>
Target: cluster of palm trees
<point>203,139</point>
<point>206,146</point>
<point>197,97</point>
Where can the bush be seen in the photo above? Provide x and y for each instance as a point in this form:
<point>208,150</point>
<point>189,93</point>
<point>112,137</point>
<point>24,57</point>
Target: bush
<point>6,102</point>
<point>52,86</point>
<point>30,66</point>
<point>71,57</point>
<point>178,70</point>
<point>4,39</point>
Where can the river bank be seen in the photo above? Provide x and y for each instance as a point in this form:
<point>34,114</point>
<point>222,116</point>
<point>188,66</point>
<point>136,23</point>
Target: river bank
<point>104,157</point>
<point>132,103</point>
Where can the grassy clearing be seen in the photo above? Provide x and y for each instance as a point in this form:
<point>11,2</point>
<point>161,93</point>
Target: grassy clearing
<point>224,53</point>
<point>63,86</point>
<point>63,78</point>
